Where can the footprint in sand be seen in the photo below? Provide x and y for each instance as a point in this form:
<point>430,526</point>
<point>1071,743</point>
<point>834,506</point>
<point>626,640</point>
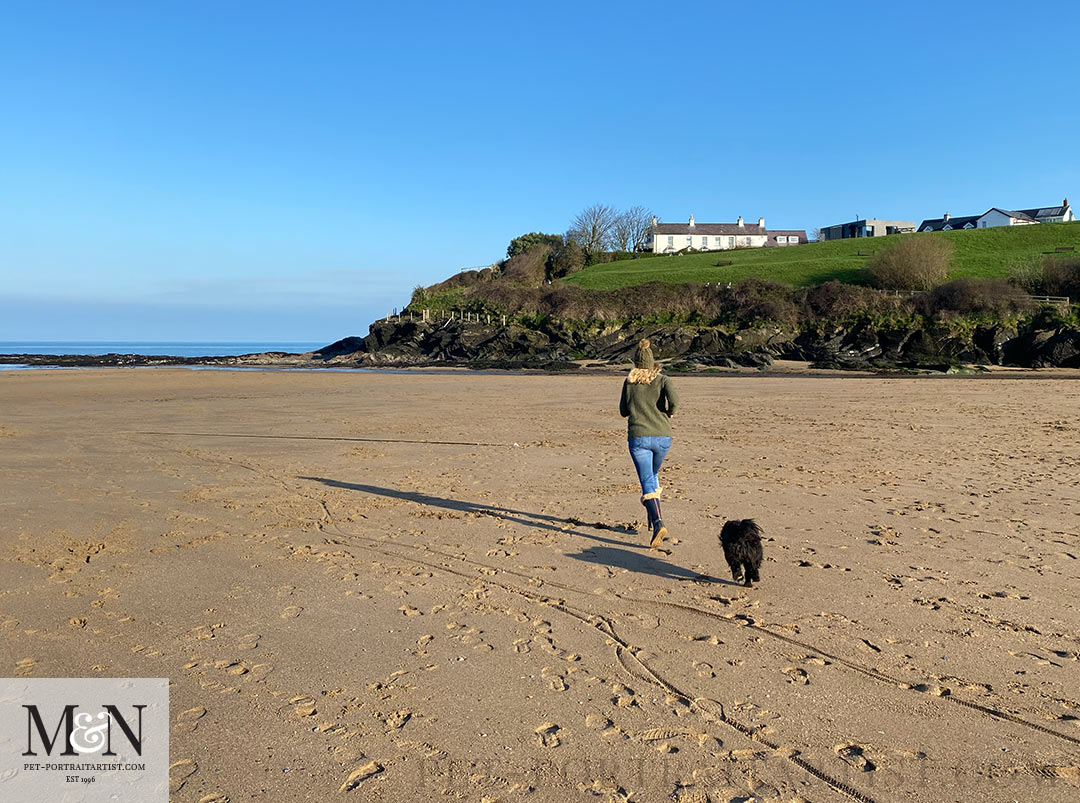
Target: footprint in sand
<point>548,735</point>
<point>622,696</point>
<point>597,722</point>
<point>796,675</point>
<point>854,755</point>
<point>248,641</point>
<point>180,772</point>
<point>25,667</point>
<point>704,670</point>
<point>259,672</point>
<point>291,612</point>
<point>214,798</point>
<point>305,706</point>
<point>358,776</point>
<point>187,721</point>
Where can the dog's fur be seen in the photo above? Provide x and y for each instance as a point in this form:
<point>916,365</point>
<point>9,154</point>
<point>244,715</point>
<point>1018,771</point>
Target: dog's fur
<point>742,549</point>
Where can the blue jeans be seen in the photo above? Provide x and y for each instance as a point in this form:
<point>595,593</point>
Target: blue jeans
<point>648,453</point>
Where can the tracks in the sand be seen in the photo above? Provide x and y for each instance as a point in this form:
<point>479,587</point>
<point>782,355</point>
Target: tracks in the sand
<point>626,654</point>
<point>710,710</point>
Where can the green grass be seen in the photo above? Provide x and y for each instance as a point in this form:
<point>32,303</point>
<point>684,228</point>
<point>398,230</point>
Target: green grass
<point>979,252</point>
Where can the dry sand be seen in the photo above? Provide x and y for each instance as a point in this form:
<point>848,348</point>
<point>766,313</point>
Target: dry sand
<point>350,609</point>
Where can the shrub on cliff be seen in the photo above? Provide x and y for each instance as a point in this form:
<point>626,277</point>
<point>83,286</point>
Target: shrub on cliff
<point>914,262</point>
<point>534,239</point>
<point>1061,277</point>
<point>528,268</point>
<point>564,259</point>
<point>969,296</point>
<point>837,301</point>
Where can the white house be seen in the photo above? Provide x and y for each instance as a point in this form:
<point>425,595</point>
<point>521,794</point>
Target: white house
<point>1002,217</point>
<point>668,238</point>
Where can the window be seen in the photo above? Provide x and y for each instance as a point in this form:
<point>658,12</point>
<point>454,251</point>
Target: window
<point>748,241</point>
<point>671,241</point>
<point>689,241</point>
<point>730,242</point>
<point>780,238</point>
<point>719,242</point>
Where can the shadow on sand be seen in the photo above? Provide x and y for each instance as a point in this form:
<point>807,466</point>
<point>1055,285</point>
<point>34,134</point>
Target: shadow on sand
<point>622,554</point>
<point>539,520</point>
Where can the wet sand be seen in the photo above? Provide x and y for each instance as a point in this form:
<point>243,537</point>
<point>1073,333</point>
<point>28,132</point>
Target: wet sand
<point>430,587</point>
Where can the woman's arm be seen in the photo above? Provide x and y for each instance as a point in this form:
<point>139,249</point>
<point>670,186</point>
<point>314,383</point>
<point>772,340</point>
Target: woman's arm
<point>671,397</point>
<point>624,402</point>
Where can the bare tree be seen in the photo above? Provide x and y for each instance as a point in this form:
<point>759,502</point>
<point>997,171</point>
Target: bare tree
<point>593,228</point>
<point>818,236</point>
<point>632,228</point>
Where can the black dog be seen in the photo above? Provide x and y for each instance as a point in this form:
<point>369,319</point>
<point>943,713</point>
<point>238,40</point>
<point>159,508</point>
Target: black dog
<point>742,549</point>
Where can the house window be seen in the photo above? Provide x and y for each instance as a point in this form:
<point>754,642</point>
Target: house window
<point>671,241</point>
<point>689,241</point>
<point>719,242</point>
<point>748,241</point>
<point>704,242</point>
<point>730,242</point>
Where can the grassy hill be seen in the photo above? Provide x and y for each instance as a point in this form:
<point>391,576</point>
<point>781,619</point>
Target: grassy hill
<point>979,252</point>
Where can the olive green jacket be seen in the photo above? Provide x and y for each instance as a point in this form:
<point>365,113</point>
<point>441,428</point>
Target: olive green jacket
<point>648,406</point>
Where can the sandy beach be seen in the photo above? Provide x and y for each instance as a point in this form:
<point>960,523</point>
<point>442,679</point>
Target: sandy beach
<point>411,587</point>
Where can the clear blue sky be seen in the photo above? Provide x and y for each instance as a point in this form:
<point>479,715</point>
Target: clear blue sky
<point>269,170</point>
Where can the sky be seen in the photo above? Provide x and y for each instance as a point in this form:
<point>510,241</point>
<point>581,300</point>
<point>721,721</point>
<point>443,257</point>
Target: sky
<point>267,170</point>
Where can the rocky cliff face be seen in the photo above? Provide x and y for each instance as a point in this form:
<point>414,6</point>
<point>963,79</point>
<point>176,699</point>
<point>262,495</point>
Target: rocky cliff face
<point>1036,344</point>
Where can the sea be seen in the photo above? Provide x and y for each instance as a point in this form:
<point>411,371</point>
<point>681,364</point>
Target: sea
<point>156,348</point>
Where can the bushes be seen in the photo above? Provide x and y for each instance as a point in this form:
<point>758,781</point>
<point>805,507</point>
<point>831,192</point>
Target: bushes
<point>526,242</point>
<point>995,297</point>
<point>528,268</point>
<point>915,262</point>
<point>1061,277</point>
<point>837,301</point>
<point>1048,276</point>
<point>564,259</point>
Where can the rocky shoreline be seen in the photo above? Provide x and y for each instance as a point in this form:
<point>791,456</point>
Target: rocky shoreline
<point>1042,342</point>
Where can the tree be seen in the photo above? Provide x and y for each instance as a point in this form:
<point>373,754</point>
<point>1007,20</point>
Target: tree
<point>818,236</point>
<point>632,228</point>
<point>915,262</point>
<point>519,245</point>
<point>565,259</point>
<point>593,228</point>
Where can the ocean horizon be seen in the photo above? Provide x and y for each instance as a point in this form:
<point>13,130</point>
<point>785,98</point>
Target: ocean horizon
<point>166,348</point>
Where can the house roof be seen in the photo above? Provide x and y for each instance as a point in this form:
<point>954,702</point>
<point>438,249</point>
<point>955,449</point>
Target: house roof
<point>709,228</point>
<point>1045,211</point>
<point>939,223</point>
<point>1019,214</point>
<point>798,233</point>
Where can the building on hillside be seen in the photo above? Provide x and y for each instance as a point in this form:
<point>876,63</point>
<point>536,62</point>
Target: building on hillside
<point>995,217</point>
<point>950,223</point>
<point>781,237</point>
<point>670,238</point>
<point>871,227</point>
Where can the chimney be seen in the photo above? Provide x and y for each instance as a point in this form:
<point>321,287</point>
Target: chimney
<point>1065,203</point>
<point>691,221</point>
<point>946,216</point>
<point>761,222</point>
<point>739,222</point>
<point>654,221</point>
